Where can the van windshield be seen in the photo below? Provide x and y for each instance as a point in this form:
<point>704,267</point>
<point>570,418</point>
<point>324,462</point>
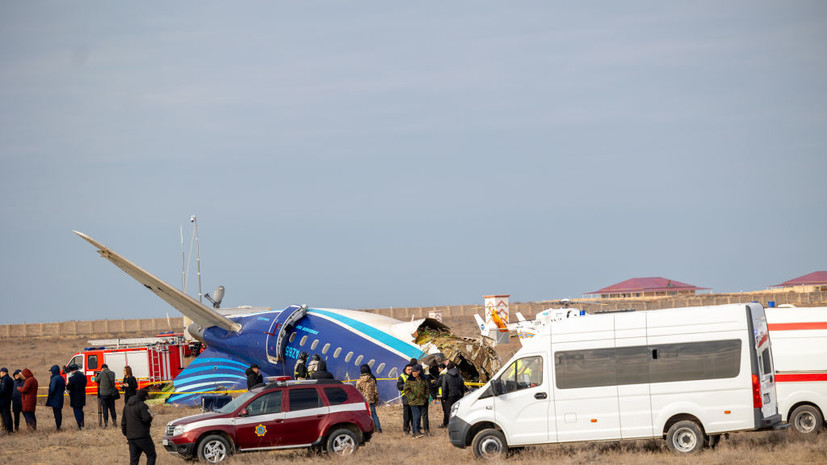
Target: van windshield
<point>237,402</point>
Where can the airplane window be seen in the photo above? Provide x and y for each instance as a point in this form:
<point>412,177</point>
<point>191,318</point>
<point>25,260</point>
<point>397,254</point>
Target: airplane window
<point>292,337</point>
<point>337,352</point>
<point>358,360</point>
<point>371,362</point>
<point>303,340</point>
<point>315,343</point>
<point>325,348</point>
<point>348,356</point>
<point>380,369</point>
<point>391,374</point>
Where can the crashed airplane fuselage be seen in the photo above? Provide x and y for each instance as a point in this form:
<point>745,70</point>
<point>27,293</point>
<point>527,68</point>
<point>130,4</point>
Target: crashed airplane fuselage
<point>273,340</point>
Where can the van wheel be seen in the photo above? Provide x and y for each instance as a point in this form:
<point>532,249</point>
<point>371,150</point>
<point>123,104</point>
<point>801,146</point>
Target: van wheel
<point>214,449</point>
<point>342,442</point>
<point>806,419</point>
<point>685,437</point>
<point>489,444</point>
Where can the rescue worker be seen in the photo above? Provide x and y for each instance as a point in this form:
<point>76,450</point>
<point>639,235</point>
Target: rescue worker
<point>451,389</point>
<point>135,425</point>
<point>107,394</point>
<point>6,391</point>
<point>406,407</point>
<point>321,372</point>
<point>416,390</point>
<point>300,369</point>
<point>254,377</point>
<point>313,365</point>
<point>17,399</point>
<point>54,398</point>
<point>76,385</point>
<point>29,398</point>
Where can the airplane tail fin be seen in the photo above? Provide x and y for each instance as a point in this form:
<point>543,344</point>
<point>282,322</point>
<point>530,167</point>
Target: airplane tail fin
<point>197,312</point>
<point>211,371</point>
<point>481,325</point>
<point>520,317</point>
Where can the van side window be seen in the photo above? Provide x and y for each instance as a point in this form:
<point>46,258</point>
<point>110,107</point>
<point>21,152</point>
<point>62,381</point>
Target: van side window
<point>268,403</point>
<point>660,363</point>
<point>766,362</point>
<point>524,373</point>
<point>93,362</point>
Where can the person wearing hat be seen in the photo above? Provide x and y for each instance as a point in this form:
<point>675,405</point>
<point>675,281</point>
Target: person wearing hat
<point>367,386</point>
<point>76,386</point>
<point>300,368</point>
<point>17,399</point>
<point>136,421</point>
<point>416,390</point>
<point>29,395</point>
<point>254,377</point>
<point>6,391</point>
<point>54,399</point>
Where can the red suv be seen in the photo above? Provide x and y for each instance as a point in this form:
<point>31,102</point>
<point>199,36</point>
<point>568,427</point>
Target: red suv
<point>318,414</point>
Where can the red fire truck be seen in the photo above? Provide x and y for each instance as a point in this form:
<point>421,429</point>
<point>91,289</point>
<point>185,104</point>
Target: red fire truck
<point>154,360</point>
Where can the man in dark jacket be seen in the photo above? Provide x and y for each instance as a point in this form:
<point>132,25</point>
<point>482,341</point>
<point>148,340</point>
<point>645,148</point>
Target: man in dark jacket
<point>6,391</point>
<point>107,390</point>
<point>300,369</point>
<point>451,389</point>
<point>17,399</point>
<point>54,398</point>
<point>29,391</point>
<point>406,407</point>
<point>254,377</point>
<point>135,423</point>
<point>76,385</point>
<point>321,372</point>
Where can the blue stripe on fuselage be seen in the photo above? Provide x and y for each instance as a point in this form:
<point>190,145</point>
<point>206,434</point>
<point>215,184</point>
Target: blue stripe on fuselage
<point>407,349</point>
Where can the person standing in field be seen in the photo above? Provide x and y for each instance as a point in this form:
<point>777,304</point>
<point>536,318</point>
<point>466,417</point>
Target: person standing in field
<point>106,383</point>
<point>135,424</point>
<point>416,390</point>
<point>254,377</point>
<point>76,385</point>
<point>129,384</point>
<point>406,407</point>
<point>451,388</point>
<point>17,399</point>
<point>367,386</point>
<point>321,371</point>
<point>300,368</point>
<point>6,391</point>
<point>54,399</point>
<point>29,398</point>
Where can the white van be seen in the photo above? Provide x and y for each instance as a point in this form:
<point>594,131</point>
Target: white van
<point>799,339</point>
<point>687,374</point>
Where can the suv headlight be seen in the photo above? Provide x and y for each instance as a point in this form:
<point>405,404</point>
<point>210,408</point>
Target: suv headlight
<point>173,430</point>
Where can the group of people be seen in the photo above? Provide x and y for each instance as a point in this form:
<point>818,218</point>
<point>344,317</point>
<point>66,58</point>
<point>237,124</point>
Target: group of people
<point>18,394</point>
<point>418,389</point>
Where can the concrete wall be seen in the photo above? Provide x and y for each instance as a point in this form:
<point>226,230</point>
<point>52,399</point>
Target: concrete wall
<point>528,309</point>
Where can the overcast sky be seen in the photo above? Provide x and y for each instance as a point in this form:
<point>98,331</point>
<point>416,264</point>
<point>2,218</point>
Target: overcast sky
<point>377,154</point>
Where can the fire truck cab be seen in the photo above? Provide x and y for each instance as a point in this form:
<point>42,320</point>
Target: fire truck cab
<point>154,360</point>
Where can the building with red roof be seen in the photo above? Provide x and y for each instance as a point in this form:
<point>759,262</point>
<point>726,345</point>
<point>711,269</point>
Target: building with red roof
<point>817,280</point>
<point>646,287</point>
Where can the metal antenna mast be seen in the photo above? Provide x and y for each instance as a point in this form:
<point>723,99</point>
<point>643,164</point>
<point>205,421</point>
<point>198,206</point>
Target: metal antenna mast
<point>194,220</point>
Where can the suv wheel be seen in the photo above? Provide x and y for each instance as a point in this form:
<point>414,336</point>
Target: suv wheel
<point>342,442</point>
<point>213,449</point>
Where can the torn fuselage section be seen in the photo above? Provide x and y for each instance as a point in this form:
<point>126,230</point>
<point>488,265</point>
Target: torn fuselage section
<point>476,359</point>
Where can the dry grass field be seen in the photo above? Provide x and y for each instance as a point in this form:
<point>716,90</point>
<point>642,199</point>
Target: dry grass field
<point>98,446</point>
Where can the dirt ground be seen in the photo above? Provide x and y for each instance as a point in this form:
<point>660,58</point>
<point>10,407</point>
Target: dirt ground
<point>99,446</point>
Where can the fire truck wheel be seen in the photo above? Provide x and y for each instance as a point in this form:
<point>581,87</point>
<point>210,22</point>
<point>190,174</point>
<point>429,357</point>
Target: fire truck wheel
<point>214,449</point>
<point>806,419</point>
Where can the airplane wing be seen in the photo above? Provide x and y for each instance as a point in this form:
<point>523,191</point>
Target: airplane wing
<point>197,312</point>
